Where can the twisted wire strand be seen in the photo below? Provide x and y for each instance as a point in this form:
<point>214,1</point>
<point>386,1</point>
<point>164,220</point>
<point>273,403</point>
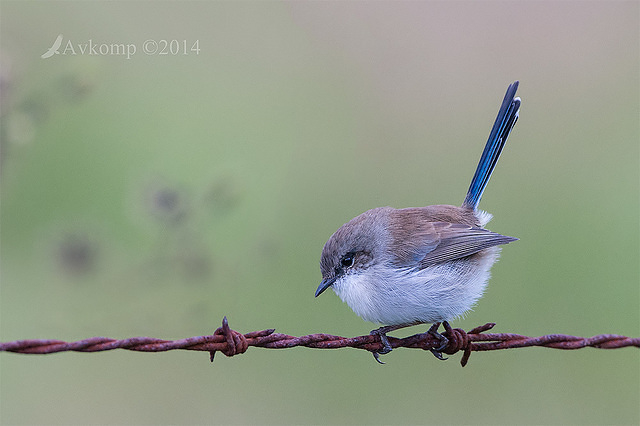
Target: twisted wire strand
<point>231,342</point>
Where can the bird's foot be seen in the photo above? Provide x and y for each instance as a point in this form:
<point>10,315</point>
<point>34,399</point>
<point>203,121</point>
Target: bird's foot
<point>443,341</point>
<point>386,346</point>
<point>381,332</point>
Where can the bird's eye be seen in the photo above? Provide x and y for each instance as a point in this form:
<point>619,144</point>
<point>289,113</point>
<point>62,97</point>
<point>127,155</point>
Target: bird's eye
<point>347,260</point>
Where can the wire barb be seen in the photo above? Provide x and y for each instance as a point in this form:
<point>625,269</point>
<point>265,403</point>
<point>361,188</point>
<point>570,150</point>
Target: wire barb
<point>231,342</point>
<point>236,343</point>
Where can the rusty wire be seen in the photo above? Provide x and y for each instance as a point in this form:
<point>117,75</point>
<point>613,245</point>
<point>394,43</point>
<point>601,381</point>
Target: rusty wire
<point>231,342</point>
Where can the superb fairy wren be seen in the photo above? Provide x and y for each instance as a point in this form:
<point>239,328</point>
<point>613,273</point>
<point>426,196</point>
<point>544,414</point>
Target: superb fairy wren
<point>402,267</point>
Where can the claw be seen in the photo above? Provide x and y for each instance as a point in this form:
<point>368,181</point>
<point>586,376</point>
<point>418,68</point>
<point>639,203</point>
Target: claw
<point>433,331</point>
<point>386,346</point>
<point>376,356</point>
<point>438,354</point>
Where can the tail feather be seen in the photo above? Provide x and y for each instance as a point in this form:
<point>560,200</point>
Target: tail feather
<point>506,119</point>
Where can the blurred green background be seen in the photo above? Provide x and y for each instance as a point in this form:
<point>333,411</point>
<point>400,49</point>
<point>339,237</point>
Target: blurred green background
<point>153,195</point>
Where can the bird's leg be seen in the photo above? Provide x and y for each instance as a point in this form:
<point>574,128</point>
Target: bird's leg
<point>433,331</point>
<point>382,333</point>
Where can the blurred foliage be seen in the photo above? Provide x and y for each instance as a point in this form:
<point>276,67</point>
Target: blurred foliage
<point>153,195</point>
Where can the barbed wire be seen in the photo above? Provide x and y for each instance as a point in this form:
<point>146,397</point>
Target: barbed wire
<point>231,342</point>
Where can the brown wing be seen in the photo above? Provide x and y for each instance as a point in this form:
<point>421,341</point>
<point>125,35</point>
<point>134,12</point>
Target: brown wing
<point>426,236</point>
<point>456,241</point>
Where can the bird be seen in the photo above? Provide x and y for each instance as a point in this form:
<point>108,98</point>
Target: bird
<point>53,50</point>
<point>420,265</point>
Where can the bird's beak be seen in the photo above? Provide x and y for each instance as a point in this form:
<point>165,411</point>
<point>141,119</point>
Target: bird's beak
<point>325,284</point>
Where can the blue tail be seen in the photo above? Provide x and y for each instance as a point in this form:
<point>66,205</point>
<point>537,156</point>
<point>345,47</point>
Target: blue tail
<point>507,117</point>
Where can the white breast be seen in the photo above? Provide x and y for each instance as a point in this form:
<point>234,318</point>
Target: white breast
<point>438,293</point>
